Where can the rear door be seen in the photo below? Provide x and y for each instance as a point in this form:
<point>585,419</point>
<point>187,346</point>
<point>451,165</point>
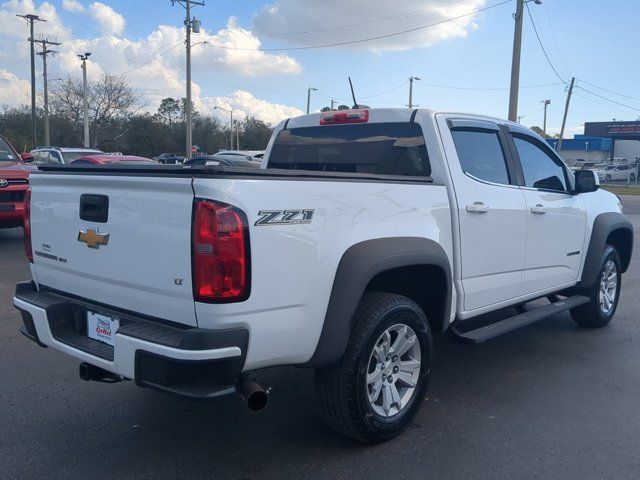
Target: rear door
<point>124,241</point>
<point>491,211</point>
<point>556,219</point>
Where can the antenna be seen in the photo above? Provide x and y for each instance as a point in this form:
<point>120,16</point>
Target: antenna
<point>353,95</point>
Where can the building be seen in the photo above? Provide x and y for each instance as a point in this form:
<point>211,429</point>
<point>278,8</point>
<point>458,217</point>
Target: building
<point>602,141</point>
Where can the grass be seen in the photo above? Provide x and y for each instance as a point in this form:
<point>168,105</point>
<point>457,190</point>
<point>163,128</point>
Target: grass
<point>620,190</point>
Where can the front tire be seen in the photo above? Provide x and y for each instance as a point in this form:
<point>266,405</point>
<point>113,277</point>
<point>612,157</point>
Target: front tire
<point>372,393</point>
<point>603,295</point>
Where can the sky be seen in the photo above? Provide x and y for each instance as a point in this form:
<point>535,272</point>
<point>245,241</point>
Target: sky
<point>260,57</point>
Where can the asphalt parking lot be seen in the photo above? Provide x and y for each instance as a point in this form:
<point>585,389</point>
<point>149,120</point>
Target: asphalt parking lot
<point>549,401</point>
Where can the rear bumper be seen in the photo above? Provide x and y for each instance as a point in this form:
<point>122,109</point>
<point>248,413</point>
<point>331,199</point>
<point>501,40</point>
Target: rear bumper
<point>191,362</point>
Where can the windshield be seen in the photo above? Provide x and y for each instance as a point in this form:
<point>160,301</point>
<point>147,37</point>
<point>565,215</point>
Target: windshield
<point>71,156</point>
<point>376,148</point>
<point>6,152</point>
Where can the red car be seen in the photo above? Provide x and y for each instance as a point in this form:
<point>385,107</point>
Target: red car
<point>110,159</point>
<point>14,182</point>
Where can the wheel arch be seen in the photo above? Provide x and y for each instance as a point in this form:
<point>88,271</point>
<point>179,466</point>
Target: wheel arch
<point>608,228</point>
<point>395,265</point>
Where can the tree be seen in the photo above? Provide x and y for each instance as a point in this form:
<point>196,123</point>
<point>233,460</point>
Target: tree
<point>169,111</point>
<point>109,99</point>
<point>539,131</point>
<point>343,107</point>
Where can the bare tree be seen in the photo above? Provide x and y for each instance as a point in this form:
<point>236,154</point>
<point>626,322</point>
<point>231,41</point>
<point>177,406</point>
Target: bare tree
<point>111,98</point>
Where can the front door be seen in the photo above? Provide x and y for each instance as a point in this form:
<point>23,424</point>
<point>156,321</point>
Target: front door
<point>555,218</point>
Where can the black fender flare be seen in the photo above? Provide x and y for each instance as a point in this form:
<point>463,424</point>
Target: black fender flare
<point>603,225</point>
<point>358,266</point>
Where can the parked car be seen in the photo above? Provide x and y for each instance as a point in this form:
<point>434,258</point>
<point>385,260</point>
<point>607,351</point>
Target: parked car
<point>222,160</point>
<point>251,155</point>
<point>60,155</point>
<point>105,159</point>
<point>624,172</point>
<point>369,232</point>
<point>170,158</point>
<point>14,182</point>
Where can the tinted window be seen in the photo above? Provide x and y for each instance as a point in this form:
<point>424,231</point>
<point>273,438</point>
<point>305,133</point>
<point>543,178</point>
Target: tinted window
<point>377,148</point>
<point>541,169</point>
<point>6,152</point>
<point>481,155</point>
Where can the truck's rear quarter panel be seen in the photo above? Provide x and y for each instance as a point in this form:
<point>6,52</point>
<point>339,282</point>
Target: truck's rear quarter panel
<point>293,266</point>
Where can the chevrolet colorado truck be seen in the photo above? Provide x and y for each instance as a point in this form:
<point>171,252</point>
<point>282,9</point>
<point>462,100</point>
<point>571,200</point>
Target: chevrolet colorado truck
<point>363,234</point>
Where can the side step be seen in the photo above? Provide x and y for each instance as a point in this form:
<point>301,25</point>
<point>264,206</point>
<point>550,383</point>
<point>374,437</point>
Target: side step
<point>507,325</point>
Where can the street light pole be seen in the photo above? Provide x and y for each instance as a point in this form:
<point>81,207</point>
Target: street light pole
<point>32,18</point>
<point>85,103</point>
<point>309,97</point>
<point>411,79</point>
<point>515,60</point>
<point>544,125</point>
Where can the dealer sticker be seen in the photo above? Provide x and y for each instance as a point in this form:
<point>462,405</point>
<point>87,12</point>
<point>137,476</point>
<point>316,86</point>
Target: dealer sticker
<point>102,328</point>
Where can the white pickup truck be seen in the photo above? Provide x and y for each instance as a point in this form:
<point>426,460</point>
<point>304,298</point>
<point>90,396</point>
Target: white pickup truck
<point>364,233</point>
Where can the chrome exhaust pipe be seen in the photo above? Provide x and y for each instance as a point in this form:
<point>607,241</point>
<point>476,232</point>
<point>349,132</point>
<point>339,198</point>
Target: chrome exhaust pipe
<point>252,393</point>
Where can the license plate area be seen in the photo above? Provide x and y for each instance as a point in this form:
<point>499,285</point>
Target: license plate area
<point>102,327</point>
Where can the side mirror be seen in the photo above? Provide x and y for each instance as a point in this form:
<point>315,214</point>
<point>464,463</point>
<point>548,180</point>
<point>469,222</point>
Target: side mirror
<point>586,181</point>
<point>26,157</point>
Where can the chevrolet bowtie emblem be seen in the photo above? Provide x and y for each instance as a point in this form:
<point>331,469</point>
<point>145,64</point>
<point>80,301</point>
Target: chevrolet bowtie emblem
<point>93,238</point>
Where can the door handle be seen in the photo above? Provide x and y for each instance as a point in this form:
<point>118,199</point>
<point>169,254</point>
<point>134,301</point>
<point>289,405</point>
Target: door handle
<point>478,207</point>
<point>538,209</point>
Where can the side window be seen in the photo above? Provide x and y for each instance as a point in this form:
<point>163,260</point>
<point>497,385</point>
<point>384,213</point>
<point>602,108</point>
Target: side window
<point>481,155</point>
<point>540,169</point>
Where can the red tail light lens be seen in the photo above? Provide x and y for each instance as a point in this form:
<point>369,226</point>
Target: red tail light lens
<point>220,253</point>
<point>27,225</point>
<point>344,116</point>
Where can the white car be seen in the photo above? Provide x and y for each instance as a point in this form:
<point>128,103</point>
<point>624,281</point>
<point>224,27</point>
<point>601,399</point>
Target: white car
<point>624,172</point>
<point>364,234</point>
<point>61,155</point>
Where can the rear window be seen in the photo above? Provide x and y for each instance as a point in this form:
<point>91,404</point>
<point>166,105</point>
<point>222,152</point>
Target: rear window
<point>71,156</point>
<point>374,148</point>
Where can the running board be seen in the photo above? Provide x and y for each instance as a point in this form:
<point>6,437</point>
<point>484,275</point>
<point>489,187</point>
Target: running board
<point>507,325</point>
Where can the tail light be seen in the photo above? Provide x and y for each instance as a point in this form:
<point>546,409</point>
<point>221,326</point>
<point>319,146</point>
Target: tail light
<point>344,116</point>
<point>220,256</point>
<point>27,225</point>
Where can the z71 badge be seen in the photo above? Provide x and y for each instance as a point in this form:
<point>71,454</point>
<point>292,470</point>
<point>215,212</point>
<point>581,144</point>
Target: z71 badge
<point>284,217</point>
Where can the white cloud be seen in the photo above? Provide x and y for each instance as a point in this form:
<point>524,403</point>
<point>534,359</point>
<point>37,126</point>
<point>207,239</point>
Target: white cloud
<point>153,64</point>
<point>245,104</point>
<point>374,17</point>
<point>73,6</point>
<point>14,90</point>
<point>111,22</point>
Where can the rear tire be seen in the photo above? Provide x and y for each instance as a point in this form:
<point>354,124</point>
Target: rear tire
<point>372,393</point>
<point>603,295</point>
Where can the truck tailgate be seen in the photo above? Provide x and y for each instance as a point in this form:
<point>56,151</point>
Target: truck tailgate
<point>144,265</point>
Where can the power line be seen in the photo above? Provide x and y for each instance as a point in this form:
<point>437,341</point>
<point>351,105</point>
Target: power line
<point>608,99</point>
<point>366,39</point>
<point>610,91</point>
<point>535,29</point>
<point>555,39</point>
<point>367,22</point>
<point>175,45</point>
<point>605,105</point>
<point>453,87</point>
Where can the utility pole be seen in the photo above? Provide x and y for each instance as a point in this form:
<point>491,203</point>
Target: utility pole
<point>544,124</point>
<point>230,112</point>
<point>44,43</point>
<point>332,103</point>
<point>411,79</point>
<point>191,24</point>
<point>515,61</point>
<point>566,111</point>
<point>237,136</point>
<point>309,97</point>
<point>32,18</point>
<point>85,102</point>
